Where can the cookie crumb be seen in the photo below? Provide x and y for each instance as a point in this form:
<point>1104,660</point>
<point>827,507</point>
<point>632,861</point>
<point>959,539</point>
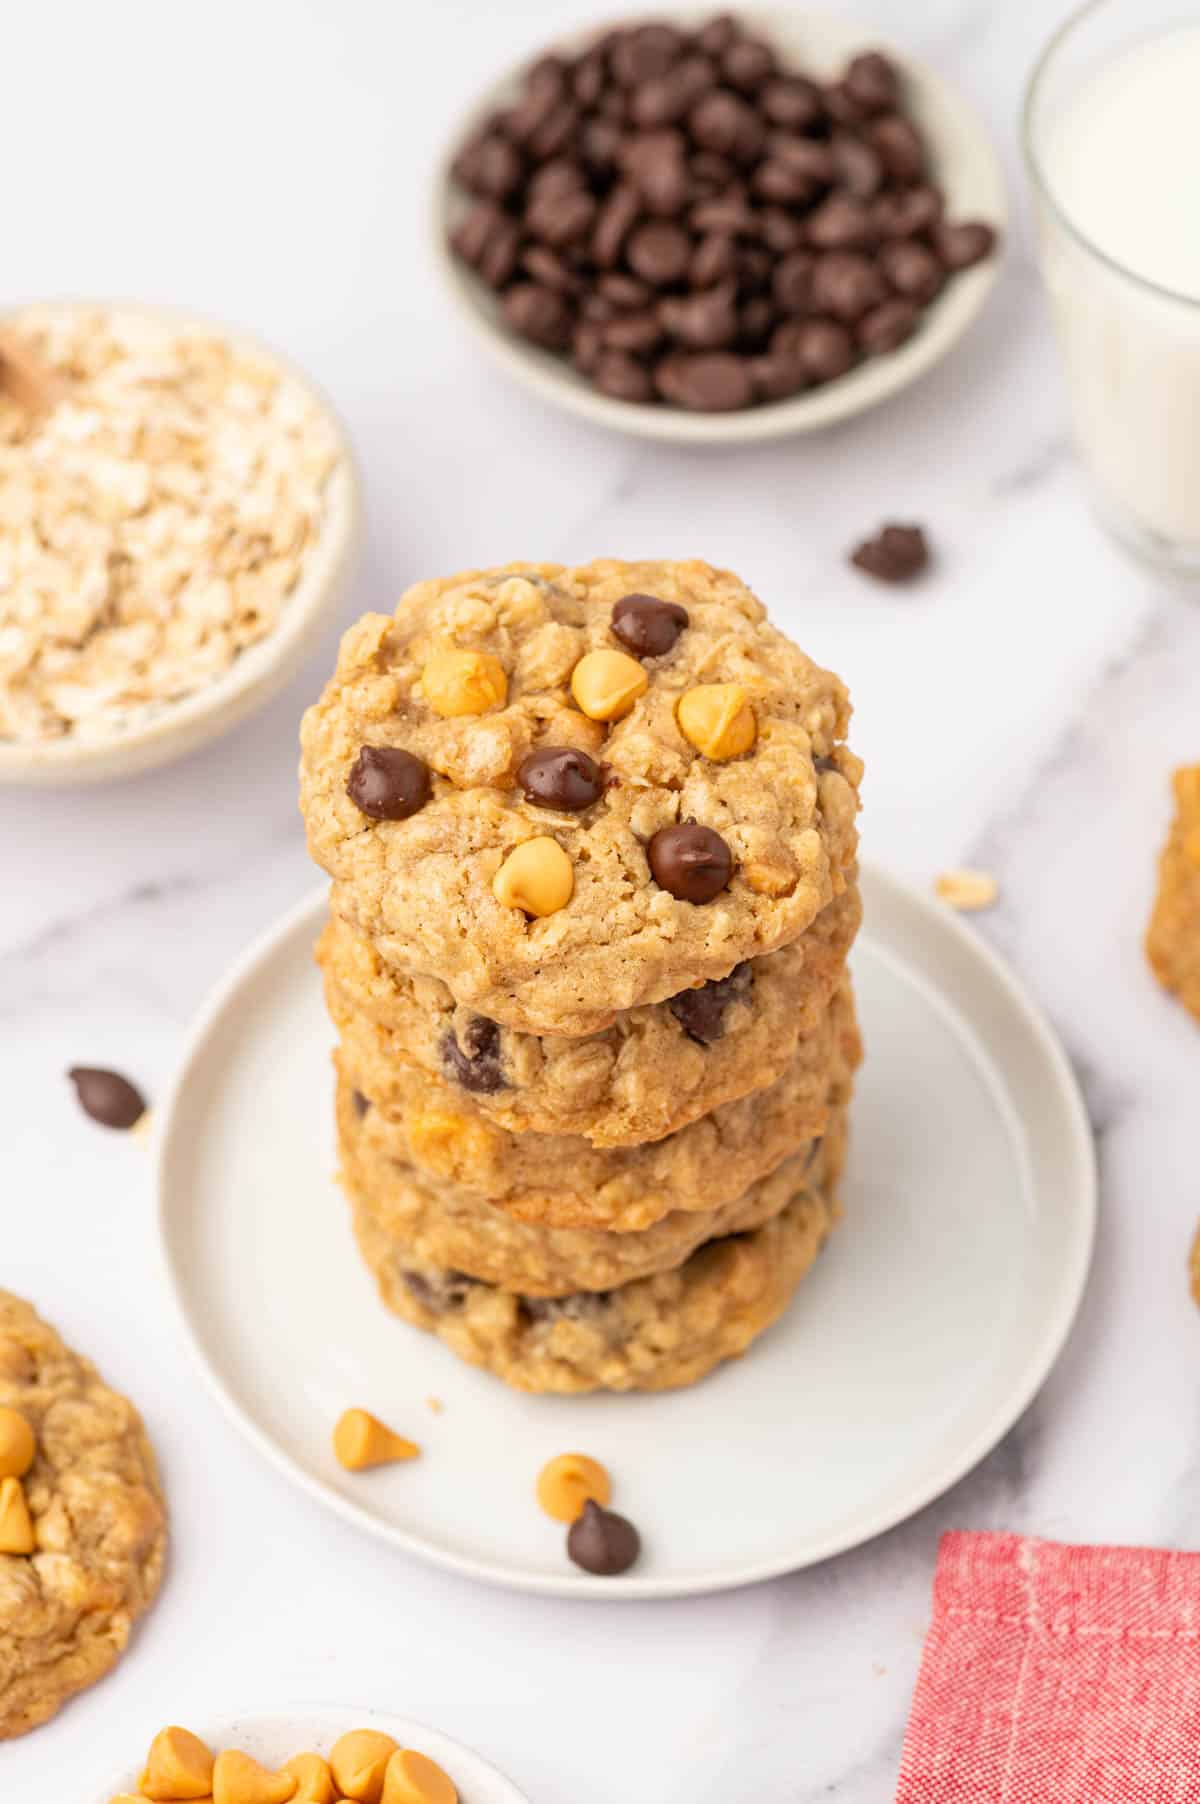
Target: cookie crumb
<point>434,1405</point>
<point>896,554</point>
<point>968,891</point>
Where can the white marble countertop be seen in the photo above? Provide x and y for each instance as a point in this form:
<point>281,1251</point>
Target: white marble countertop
<point>1020,711</point>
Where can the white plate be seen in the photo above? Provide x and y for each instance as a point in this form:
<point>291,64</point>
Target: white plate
<point>964,164</point>
<point>257,673</point>
<point>926,1327</point>
<point>275,1738</point>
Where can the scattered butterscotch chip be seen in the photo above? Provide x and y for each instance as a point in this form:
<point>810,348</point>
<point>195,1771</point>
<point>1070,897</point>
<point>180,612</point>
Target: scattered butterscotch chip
<point>16,1525</point>
<point>361,1440</point>
<point>967,891</point>
<point>536,876</point>
<point>17,1444</point>
<point>359,1761</point>
<point>239,1779</point>
<point>1173,938</point>
<point>569,1481</point>
<point>179,1765</point>
<point>314,1781</point>
<point>412,1778</point>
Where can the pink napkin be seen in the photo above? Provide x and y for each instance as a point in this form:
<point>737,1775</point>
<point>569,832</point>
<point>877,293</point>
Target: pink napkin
<point>1057,1675</point>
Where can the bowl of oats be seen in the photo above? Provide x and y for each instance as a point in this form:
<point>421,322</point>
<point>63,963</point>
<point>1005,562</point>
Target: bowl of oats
<point>179,514</point>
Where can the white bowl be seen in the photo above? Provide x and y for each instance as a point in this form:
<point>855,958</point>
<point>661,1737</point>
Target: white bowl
<point>275,1738</point>
<point>964,164</point>
<point>259,671</point>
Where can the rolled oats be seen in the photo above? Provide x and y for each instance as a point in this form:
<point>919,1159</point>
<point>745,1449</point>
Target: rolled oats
<point>153,523</point>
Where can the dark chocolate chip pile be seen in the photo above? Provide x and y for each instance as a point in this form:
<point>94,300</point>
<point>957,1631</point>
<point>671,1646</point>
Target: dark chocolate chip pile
<point>690,222</point>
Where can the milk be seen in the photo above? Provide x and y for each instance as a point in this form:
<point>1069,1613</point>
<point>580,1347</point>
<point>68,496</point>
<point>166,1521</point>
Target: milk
<point>1119,168</point>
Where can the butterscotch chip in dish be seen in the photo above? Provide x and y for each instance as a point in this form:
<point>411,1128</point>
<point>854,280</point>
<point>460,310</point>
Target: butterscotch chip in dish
<point>655,1334</point>
<point>695,854</point>
<point>652,1071</point>
<point>559,1180</point>
<point>1173,939</point>
<point>438,1225</point>
<point>96,1509</point>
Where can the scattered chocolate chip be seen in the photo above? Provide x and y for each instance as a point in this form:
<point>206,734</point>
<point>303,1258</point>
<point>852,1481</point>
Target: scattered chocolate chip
<point>387,783</point>
<point>559,776</point>
<point>361,1104</point>
<point>647,626</point>
<point>701,1012</point>
<point>602,1542</point>
<point>895,555</point>
<point>472,1057</point>
<point>107,1097</point>
<point>690,862</point>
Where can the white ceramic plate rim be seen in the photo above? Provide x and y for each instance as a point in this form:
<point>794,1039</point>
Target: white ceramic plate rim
<point>871,382</point>
<point>303,1729</point>
<point>896,1506</point>
<point>262,668</point>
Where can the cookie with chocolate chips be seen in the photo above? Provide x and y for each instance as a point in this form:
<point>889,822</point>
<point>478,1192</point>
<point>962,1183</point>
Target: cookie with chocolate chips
<point>568,793</point>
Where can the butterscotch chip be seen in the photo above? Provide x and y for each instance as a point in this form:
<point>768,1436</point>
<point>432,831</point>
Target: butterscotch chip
<point>717,719</point>
<point>413,1778</point>
<point>968,891</point>
<point>239,1779</point>
<point>16,1527</point>
<point>179,1765</point>
<point>361,1440</point>
<point>607,683</point>
<point>457,682</point>
<point>1173,938</point>
<point>17,1444</point>
<point>359,1761</point>
<point>569,1481</point>
<point>536,876</point>
<point>314,1781</point>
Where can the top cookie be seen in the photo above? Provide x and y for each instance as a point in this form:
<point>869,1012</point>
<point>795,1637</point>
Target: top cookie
<point>569,792</point>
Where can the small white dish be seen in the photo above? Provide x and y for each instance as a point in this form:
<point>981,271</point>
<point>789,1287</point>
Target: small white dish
<point>256,674</point>
<point>927,1326</point>
<point>274,1738</point>
<point>964,163</point>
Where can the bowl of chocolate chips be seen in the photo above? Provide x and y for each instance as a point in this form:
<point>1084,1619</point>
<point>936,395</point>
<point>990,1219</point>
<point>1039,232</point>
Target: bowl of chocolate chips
<point>716,229</point>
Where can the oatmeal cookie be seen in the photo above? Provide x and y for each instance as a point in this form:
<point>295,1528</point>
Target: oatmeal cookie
<point>654,1070</point>
<point>442,1226</point>
<point>99,1525</point>
<point>1173,941</point>
<point>569,792</point>
<point>560,1180</point>
<point>655,1334</point>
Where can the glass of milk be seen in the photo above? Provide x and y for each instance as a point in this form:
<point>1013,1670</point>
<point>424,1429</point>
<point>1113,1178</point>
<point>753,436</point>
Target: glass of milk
<point>1112,139</point>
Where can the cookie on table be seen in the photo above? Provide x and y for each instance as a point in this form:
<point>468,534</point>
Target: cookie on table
<point>1173,940</point>
<point>438,1225</point>
<point>654,1070</point>
<point>560,1180</point>
<point>570,792</point>
<point>97,1519</point>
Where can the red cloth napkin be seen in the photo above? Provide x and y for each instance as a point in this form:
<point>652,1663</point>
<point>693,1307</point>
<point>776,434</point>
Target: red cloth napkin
<point>1057,1675</point>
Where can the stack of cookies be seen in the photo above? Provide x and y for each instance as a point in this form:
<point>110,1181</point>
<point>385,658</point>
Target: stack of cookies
<point>592,840</point>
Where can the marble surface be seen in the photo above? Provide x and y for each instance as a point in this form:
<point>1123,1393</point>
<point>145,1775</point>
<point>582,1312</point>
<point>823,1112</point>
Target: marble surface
<point>1020,711</point>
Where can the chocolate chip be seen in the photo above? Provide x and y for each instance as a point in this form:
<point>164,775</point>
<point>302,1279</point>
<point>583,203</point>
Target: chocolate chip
<point>636,332</point>
<point>701,1012</point>
<point>623,290</point>
<point>618,374</point>
<point>724,123</point>
<point>859,167</point>
<point>490,242</point>
<point>549,270</point>
<point>912,270</point>
<point>870,80</point>
<point>614,222</point>
<point>887,326</point>
<point>846,285</point>
<point>716,37</point>
<point>792,282</point>
<point>472,1057</point>
<point>706,382</point>
<point>748,64</point>
<point>706,321</point>
<point>562,219</point>
<point>841,223</point>
<point>712,260</point>
<point>692,863</point>
<point>388,783</point>
<point>793,102</point>
<point>895,555</point>
<point>538,314</point>
<point>968,242</point>
<point>656,165</point>
<point>659,252</point>
<point>643,53</point>
<point>107,1097</point>
<point>559,776</point>
<point>900,145</point>
<point>666,98</point>
<point>602,1542</point>
<point>493,167</point>
<point>361,1103</point>
<point>776,376</point>
<point>823,348</point>
<point>647,626</point>
<point>908,213</point>
<point>781,231</point>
